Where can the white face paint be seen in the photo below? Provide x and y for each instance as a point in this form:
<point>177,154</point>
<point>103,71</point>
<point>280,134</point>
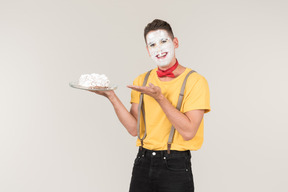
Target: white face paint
<point>161,47</point>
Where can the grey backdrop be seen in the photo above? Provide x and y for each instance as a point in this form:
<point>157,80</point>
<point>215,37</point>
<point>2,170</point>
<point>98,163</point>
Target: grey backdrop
<point>55,138</point>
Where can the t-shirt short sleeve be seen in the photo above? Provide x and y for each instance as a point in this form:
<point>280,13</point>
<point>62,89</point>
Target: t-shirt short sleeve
<point>196,95</point>
<point>135,95</point>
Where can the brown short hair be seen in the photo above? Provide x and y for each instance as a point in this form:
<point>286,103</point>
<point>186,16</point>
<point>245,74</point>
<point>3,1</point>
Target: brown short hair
<point>158,24</point>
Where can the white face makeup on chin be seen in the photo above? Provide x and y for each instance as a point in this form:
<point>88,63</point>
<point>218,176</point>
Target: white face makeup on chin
<point>161,47</point>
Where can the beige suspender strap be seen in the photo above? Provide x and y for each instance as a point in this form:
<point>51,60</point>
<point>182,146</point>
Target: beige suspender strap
<point>141,108</point>
<point>180,99</point>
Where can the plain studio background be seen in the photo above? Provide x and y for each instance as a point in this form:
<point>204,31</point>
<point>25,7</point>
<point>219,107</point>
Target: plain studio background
<point>55,138</point>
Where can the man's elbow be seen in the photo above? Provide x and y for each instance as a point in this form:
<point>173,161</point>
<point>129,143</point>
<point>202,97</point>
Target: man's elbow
<point>189,134</point>
<point>133,133</point>
<point>188,137</point>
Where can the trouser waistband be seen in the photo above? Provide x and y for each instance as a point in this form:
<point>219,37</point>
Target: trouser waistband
<point>163,153</point>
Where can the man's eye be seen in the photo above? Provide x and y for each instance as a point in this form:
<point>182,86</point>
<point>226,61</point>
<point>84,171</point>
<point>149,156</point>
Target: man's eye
<point>163,41</point>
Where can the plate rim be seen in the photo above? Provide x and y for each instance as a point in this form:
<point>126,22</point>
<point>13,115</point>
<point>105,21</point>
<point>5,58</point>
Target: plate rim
<point>75,84</point>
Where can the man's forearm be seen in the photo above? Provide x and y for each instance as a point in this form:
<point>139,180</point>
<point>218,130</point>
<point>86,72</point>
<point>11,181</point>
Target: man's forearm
<point>180,121</point>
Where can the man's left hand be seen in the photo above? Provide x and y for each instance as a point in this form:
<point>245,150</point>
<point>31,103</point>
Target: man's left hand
<point>151,90</point>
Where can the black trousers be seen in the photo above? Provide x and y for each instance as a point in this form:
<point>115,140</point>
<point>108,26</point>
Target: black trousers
<point>157,171</point>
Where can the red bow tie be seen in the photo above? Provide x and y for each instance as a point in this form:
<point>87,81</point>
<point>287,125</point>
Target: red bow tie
<point>167,72</point>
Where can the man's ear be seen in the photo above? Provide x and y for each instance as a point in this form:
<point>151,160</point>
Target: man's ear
<point>148,51</point>
<point>175,42</point>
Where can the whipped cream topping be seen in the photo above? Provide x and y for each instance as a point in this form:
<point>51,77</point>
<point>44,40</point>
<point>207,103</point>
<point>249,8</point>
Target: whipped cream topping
<point>93,80</point>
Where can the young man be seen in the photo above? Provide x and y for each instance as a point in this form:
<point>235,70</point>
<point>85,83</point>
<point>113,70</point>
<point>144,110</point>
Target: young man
<point>163,162</point>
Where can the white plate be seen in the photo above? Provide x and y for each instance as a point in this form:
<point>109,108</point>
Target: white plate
<point>77,86</point>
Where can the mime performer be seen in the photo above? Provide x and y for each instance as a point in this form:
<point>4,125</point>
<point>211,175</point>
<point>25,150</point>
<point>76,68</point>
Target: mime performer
<point>169,97</point>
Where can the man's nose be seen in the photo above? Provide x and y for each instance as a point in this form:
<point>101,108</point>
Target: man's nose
<point>159,48</point>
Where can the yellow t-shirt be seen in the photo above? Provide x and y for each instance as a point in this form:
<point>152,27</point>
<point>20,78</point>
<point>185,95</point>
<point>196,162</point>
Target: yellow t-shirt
<point>196,96</point>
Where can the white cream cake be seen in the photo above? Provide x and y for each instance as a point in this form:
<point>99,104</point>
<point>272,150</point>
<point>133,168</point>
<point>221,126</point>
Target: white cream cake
<point>94,80</point>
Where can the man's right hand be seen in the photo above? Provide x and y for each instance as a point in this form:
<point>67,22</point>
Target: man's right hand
<point>107,94</point>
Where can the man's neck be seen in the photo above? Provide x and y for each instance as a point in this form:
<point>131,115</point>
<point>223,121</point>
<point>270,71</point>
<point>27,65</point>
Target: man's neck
<point>163,68</point>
